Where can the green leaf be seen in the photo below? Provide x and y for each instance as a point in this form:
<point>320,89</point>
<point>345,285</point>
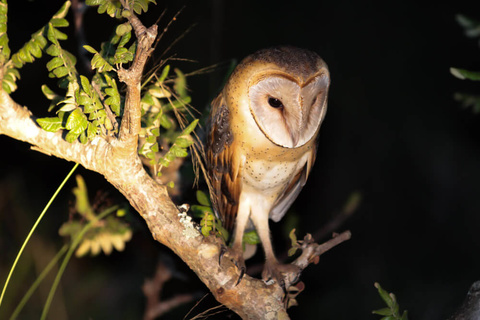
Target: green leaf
<point>86,85</point>
<point>34,49</point>
<point>180,85</point>
<point>222,231</point>
<point>164,74</point>
<point>53,50</point>
<point>141,5</point>
<point>9,86</point>
<point>203,198</point>
<point>76,121</point>
<point>199,211</point>
<point>94,2</point>
<point>91,131</point>
<point>17,62</point>
<point>48,93</point>
<point>164,162</point>
<point>148,99</point>
<point>465,74</point>
<point>54,63</point>
<point>59,22</point>
<point>179,152</point>
<point>122,55</point>
<point>126,37</point>
<point>52,35</point>
<point>154,147</point>
<point>84,100</point>
<point>60,72</point>
<point>170,156</point>
<point>72,136</point>
<point>292,251</point>
<point>184,142</point>
<point>159,92</point>
<point>123,29</point>
<point>190,127</point>
<point>165,121</point>
<point>52,124</point>
<point>83,138</point>
<point>251,237</point>
<point>90,49</point>
<point>24,55</point>
<point>383,312</point>
<point>384,295</point>
<point>40,40</point>
<point>98,62</point>
<point>293,237</point>
<point>98,115</point>
<point>63,10</point>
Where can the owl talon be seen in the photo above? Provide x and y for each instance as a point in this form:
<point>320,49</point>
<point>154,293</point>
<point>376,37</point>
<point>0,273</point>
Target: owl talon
<point>284,274</point>
<point>242,273</point>
<point>223,250</point>
<point>236,257</point>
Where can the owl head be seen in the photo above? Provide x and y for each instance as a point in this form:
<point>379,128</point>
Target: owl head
<point>286,93</point>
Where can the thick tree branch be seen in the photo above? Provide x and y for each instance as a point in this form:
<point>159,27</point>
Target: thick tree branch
<point>19,123</point>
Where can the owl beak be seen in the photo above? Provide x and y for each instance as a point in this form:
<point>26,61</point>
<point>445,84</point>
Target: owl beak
<point>296,130</point>
<point>295,136</point>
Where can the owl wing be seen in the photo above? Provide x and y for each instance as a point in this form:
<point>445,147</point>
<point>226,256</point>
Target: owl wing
<point>223,164</point>
<point>292,190</point>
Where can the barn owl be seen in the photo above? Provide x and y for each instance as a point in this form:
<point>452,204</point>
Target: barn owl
<point>262,141</point>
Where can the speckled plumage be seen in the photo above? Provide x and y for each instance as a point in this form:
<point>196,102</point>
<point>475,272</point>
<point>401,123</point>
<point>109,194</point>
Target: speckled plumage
<point>260,151</point>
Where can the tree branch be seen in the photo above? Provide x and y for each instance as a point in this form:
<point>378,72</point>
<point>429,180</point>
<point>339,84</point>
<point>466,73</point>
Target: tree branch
<point>152,289</point>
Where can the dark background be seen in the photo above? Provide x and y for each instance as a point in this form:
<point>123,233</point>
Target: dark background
<point>393,132</point>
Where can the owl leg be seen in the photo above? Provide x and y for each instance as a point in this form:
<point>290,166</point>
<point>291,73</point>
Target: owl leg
<point>236,252</point>
<point>273,270</point>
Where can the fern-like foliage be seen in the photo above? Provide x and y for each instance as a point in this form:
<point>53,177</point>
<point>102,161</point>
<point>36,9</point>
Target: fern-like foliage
<point>4,48</point>
<point>105,234</point>
<point>163,106</point>
<point>31,50</point>
<point>88,107</point>
<point>209,223</point>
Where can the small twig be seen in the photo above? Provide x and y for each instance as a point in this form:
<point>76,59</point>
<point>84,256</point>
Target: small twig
<point>152,289</point>
<point>311,251</point>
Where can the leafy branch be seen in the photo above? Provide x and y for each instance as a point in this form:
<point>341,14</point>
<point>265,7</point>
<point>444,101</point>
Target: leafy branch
<point>391,312</point>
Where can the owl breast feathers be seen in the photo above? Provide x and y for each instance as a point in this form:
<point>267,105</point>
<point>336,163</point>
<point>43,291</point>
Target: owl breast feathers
<point>262,139</point>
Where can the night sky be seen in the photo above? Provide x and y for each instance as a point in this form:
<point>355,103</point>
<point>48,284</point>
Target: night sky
<point>393,133</point>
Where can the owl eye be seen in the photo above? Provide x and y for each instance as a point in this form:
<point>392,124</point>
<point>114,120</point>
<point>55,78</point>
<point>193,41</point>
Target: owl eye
<point>275,103</point>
